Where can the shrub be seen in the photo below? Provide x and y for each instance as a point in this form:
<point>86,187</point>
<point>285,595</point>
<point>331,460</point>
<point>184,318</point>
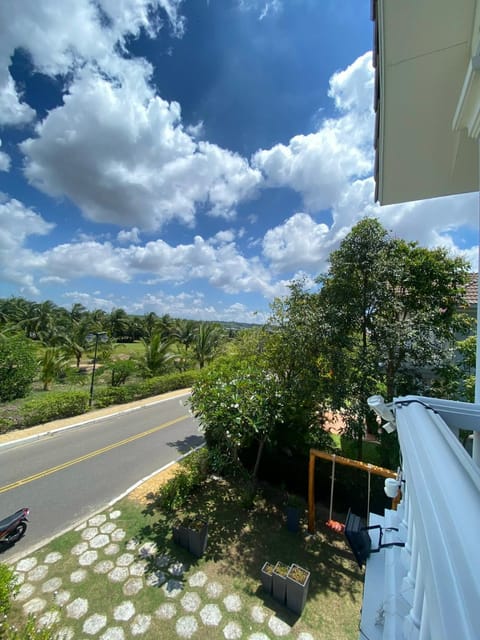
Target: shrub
<point>7,589</point>
<point>17,367</point>
<point>26,631</point>
<point>54,405</point>
<point>105,396</point>
<point>174,494</point>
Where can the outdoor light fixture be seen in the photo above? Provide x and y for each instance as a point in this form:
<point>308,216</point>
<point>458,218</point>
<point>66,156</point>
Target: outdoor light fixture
<point>377,403</point>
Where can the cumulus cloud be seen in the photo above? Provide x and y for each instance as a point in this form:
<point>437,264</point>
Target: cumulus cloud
<point>122,155</point>
<point>17,263</point>
<point>298,243</point>
<point>320,165</point>
<point>58,45</point>
<point>4,159</point>
<point>126,236</point>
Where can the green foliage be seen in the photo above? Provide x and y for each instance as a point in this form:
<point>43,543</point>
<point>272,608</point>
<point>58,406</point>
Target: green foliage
<point>157,355</point>
<point>121,370</point>
<point>393,311</point>
<point>105,396</point>
<point>54,405</point>
<point>7,589</point>
<point>293,347</point>
<point>8,631</point>
<point>173,495</point>
<point>238,402</point>
<point>52,364</point>
<point>206,341</point>
<point>17,367</point>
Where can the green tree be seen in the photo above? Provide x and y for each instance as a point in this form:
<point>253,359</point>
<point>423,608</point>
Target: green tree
<point>157,356</point>
<point>52,364</point>
<point>17,367</point>
<point>394,310</point>
<point>293,346</point>
<point>206,342</point>
<point>238,403</point>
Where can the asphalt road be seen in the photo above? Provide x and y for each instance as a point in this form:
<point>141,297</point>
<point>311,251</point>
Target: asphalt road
<point>69,475</point>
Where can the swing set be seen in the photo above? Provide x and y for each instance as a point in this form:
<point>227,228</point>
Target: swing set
<point>334,525</point>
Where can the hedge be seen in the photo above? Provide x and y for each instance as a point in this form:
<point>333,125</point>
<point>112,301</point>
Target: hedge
<point>106,396</point>
<point>54,405</point>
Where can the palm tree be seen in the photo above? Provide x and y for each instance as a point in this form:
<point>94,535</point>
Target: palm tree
<point>207,338</point>
<point>52,363</point>
<point>157,355</point>
<point>118,323</point>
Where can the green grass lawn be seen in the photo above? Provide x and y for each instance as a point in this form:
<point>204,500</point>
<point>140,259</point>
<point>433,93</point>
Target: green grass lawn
<point>240,541</point>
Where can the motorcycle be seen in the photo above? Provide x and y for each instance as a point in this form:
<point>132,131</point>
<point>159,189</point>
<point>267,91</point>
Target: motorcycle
<point>13,528</point>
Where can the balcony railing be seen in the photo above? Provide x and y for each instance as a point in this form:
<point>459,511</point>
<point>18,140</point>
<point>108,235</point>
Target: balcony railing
<point>431,588</point>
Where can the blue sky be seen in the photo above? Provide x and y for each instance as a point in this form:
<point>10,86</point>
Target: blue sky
<point>190,157</point>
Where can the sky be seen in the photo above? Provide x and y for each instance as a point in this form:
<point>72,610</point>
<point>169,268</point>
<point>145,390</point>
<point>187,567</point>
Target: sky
<point>190,157</point>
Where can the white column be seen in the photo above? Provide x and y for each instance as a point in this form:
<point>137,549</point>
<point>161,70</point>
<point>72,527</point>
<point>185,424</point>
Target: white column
<point>425,624</point>
<point>411,627</point>
<point>476,434</point>
<point>408,582</point>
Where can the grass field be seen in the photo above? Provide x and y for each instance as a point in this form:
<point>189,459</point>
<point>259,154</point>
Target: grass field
<point>240,541</point>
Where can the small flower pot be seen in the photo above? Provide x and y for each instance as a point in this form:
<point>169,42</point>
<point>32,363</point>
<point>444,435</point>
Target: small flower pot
<point>180,534</point>
<point>197,537</point>
<point>293,519</point>
<point>279,581</point>
<point>297,583</point>
<point>266,575</point>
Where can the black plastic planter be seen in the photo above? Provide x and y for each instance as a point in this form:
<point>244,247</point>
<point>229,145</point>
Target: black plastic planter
<point>197,537</point>
<point>279,581</point>
<point>293,519</point>
<point>267,576</point>
<point>297,583</point>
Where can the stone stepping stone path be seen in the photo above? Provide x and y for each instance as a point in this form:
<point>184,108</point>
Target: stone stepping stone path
<point>190,600</point>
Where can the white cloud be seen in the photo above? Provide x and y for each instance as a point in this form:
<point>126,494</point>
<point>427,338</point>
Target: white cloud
<point>121,154</point>
<point>4,159</point>
<point>17,263</point>
<point>125,236</point>
<point>320,165</point>
<point>59,45</point>
<point>299,243</point>
<point>194,306</point>
<point>91,301</point>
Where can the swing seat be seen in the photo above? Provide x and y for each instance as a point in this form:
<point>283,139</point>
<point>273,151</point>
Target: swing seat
<point>336,526</point>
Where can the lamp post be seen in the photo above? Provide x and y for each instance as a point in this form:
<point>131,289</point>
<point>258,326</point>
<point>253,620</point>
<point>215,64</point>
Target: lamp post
<point>90,336</point>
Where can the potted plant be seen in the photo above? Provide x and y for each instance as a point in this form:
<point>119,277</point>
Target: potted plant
<point>197,536</point>
<point>180,533</point>
<point>297,582</point>
<point>279,581</point>
<point>266,576</point>
<point>295,508</point>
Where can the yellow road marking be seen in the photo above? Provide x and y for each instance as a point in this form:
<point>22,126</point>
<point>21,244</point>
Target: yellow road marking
<point>69,463</point>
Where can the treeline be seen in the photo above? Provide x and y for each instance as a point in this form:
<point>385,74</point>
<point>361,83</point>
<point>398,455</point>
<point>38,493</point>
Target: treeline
<point>386,319</point>
<point>47,345</point>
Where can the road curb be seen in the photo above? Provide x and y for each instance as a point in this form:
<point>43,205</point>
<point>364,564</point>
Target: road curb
<point>82,423</point>
<point>21,554</point>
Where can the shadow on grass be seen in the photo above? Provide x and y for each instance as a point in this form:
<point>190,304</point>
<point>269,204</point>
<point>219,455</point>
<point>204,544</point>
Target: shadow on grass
<point>241,539</point>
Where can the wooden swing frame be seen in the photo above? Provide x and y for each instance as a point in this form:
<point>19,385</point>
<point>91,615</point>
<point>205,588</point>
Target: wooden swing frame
<point>357,464</point>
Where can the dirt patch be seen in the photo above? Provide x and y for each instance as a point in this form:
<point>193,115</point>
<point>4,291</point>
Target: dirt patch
<point>143,492</point>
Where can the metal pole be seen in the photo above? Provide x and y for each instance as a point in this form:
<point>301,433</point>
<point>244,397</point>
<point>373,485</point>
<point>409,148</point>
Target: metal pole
<point>93,371</point>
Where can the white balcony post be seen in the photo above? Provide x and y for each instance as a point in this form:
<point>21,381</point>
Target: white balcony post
<point>425,624</point>
<point>411,628</point>
<point>408,583</point>
<point>476,434</point>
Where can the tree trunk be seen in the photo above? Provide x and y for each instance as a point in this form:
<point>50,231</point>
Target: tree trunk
<point>261,444</point>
